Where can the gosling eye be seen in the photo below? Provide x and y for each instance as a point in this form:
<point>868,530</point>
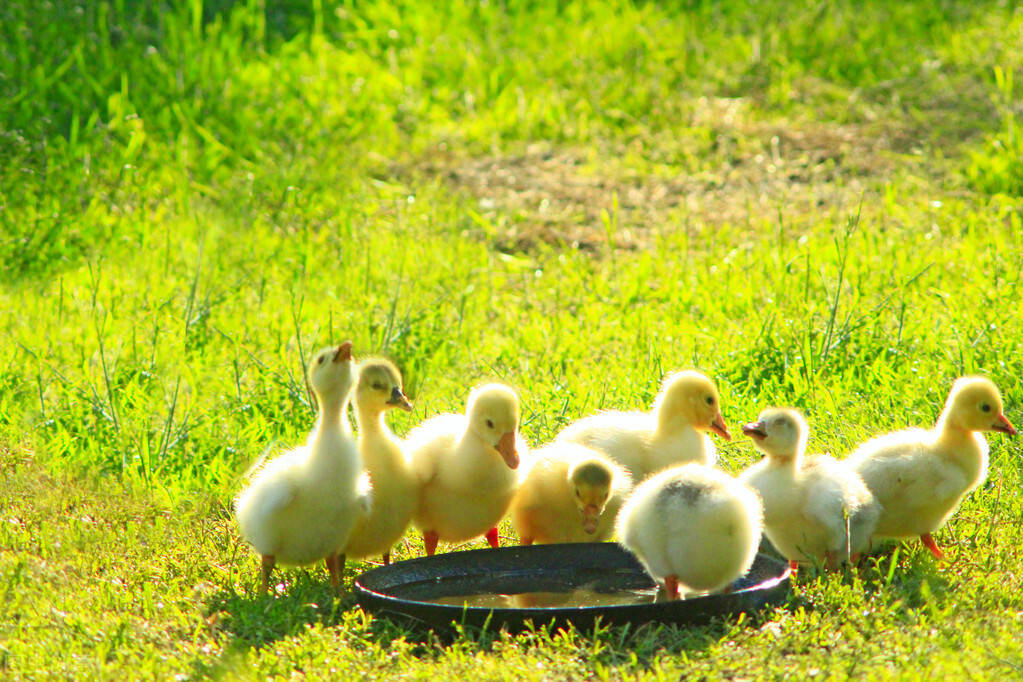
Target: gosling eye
<point>490,424</point>
<point>984,407</point>
<point>378,386</point>
<point>710,400</point>
<point>319,360</point>
<point>578,494</point>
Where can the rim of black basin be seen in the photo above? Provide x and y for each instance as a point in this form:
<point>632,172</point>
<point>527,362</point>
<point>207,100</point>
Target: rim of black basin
<point>398,591</point>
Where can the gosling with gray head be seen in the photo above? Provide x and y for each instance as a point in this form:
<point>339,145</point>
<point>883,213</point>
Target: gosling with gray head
<point>569,493</point>
<point>395,486</point>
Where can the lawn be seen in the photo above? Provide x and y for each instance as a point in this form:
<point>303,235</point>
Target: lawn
<point>817,204</point>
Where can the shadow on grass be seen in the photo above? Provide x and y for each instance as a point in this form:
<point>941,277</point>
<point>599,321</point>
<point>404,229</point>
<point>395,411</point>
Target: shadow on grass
<point>613,646</point>
<point>912,576</point>
<point>892,578</point>
<point>899,576</point>
<point>257,621</point>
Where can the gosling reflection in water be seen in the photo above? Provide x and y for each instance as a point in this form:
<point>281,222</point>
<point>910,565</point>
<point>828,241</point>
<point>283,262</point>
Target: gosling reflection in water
<point>549,600</point>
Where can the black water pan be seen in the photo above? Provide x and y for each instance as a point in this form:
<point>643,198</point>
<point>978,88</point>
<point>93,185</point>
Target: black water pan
<point>579,583</point>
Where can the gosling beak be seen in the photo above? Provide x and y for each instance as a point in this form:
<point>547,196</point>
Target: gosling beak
<point>591,517</point>
<point>755,430</point>
<point>717,425</point>
<point>399,399</point>
<point>344,352</point>
<point>1004,425</point>
<point>506,446</point>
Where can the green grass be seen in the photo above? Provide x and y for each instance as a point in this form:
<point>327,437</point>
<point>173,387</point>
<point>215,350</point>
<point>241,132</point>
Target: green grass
<point>818,204</point>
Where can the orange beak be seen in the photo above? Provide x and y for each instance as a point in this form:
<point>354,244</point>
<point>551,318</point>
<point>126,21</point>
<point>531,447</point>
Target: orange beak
<point>755,430</point>
<point>506,446</point>
<point>717,425</point>
<point>591,516</point>
<point>1004,425</point>
<point>399,399</point>
<point>344,352</point>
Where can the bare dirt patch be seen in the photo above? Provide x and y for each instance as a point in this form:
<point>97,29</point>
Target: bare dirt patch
<point>745,172</point>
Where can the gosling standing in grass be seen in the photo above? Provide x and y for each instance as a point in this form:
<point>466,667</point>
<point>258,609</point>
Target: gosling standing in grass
<point>466,467</point>
<point>815,508</point>
<point>672,433</point>
<point>694,528</point>
<point>920,476</point>
<point>570,493</point>
<point>395,487</point>
<point>302,506</point>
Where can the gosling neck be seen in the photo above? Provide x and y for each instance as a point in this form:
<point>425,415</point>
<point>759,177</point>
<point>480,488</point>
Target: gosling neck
<point>787,460</point>
<point>472,440</point>
<point>333,407</point>
<point>671,421</point>
<point>370,419</point>
<point>951,435</point>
